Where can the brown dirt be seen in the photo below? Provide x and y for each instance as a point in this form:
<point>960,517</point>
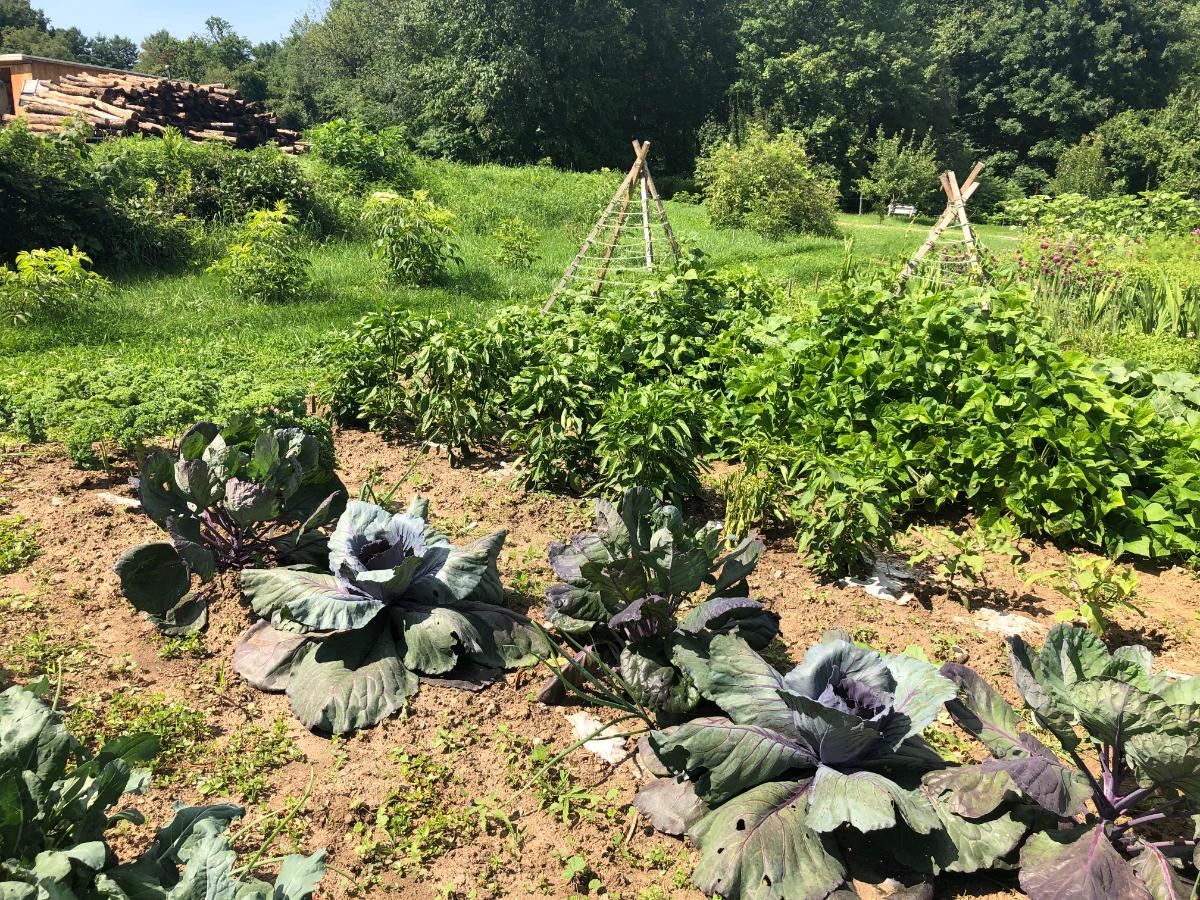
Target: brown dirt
<point>68,600</point>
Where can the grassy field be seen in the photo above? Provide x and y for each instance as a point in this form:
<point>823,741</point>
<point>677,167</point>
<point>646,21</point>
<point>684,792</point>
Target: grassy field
<point>187,318</point>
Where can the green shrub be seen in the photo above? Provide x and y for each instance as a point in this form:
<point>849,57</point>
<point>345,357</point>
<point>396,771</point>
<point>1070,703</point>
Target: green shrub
<point>266,262</point>
<point>413,236</point>
<point>1131,215</point>
<point>768,185</point>
<point>1083,170</point>
<point>49,194</point>
<point>901,171</point>
<point>47,282</point>
<point>593,395</point>
<point>957,397</point>
<point>372,157</point>
<point>1167,352</point>
<point>516,244</point>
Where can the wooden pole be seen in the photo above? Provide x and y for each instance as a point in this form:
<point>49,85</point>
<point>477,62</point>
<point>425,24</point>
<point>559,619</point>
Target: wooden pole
<point>599,226</point>
<point>662,211</point>
<point>956,208</point>
<point>647,235</point>
<point>612,244</point>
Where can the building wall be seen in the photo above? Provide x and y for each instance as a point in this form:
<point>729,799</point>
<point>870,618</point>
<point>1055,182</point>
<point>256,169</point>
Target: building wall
<point>18,73</point>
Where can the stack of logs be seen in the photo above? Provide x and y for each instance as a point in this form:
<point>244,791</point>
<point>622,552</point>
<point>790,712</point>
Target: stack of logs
<point>132,104</point>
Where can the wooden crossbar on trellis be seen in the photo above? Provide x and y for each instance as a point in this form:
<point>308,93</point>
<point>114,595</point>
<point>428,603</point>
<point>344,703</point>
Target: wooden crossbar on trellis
<point>638,185</point>
<point>956,211</point>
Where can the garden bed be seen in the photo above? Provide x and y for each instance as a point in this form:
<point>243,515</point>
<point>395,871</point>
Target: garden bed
<point>400,806</point>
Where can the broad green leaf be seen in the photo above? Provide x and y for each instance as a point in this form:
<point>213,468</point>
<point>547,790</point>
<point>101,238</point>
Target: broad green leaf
<point>971,791</point>
<point>32,737</point>
<point>919,695</point>
<point>866,801</point>
<point>656,682</point>
<point>727,759</point>
<point>299,876</point>
<point>352,680</point>
<point>958,845</point>
<point>758,846</point>
<point>296,599</point>
<point>745,686</point>
<point>981,710</point>
<point>1114,711</point>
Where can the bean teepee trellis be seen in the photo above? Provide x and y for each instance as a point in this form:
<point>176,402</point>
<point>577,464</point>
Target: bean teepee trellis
<point>967,249</point>
<point>621,244</point>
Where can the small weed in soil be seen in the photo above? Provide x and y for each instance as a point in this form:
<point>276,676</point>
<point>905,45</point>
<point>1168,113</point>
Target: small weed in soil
<point>189,646</point>
<point>18,545</point>
<point>181,730</point>
<point>42,652</point>
<point>242,770</point>
<point>416,823</point>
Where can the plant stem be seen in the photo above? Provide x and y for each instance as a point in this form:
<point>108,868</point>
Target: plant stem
<point>1121,804</point>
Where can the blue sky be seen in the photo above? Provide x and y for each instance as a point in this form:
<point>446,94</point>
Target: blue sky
<point>259,20</point>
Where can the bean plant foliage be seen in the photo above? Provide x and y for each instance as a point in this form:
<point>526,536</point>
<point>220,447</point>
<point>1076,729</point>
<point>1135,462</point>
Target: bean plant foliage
<point>396,599</point>
<point>797,775</point>
<point>647,592</point>
<point>58,801</point>
<point>227,500</point>
<point>1122,811</point>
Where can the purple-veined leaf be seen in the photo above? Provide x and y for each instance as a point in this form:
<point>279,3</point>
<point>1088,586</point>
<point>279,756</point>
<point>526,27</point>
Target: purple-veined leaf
<point>671,805</point>
<point>980,710</point>
<point>1079,864</point>
<point>1161,878</point>
<point>265,657</point>
<point>726,758</point>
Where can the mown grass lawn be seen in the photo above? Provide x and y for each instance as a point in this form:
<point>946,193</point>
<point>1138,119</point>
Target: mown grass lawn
<point>187,318</point>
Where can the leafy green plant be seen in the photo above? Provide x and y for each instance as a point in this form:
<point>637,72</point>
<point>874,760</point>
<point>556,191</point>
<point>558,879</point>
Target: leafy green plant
<point>1132,778</point>
<point>119,406</point>
<point>18,545</point>
<point>413,236</point>
<point>241,769</point>
<point>372,156</point>
<point>804,772</point>
<point>58,800</point>
<point>902,170</point>
<point>1096,586</point>
<point>47,282</point>
<point>964,553</point>
<point>265,262</point>
<point>228,501</point>
<point>769,185</point>
<point>398,599</point>
<point>516,244</point>
<point>644,592</point>
<point>1135,215</point>
<point>181,731</point>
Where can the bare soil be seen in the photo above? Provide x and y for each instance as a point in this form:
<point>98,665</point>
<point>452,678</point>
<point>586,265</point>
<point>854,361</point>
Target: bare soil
<point>64,616</point>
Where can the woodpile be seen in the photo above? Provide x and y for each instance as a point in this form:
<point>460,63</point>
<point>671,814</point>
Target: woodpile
<point>131,104</point>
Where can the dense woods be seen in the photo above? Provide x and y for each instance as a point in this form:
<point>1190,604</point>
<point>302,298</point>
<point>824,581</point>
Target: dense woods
<point>1017,83</point>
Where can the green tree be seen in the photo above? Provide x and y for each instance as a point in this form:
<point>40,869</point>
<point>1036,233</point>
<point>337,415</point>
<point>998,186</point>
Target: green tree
<point>901,171</point>
<point>1083,169</point>
<point>835,71</point>
<point>1033,77</point>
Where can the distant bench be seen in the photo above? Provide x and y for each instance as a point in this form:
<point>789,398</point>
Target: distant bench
<point>902,209</point>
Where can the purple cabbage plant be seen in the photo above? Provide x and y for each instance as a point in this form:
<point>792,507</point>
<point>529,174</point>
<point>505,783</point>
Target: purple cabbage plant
<point>801,777</point>
<point>396,604</point>
<point>643,593</point>
<point>226,504</point>
<point>1120,791</point>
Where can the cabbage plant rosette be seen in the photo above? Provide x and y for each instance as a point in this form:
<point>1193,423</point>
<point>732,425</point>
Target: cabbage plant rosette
<point>808,770</point>
<point>399,600</point>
